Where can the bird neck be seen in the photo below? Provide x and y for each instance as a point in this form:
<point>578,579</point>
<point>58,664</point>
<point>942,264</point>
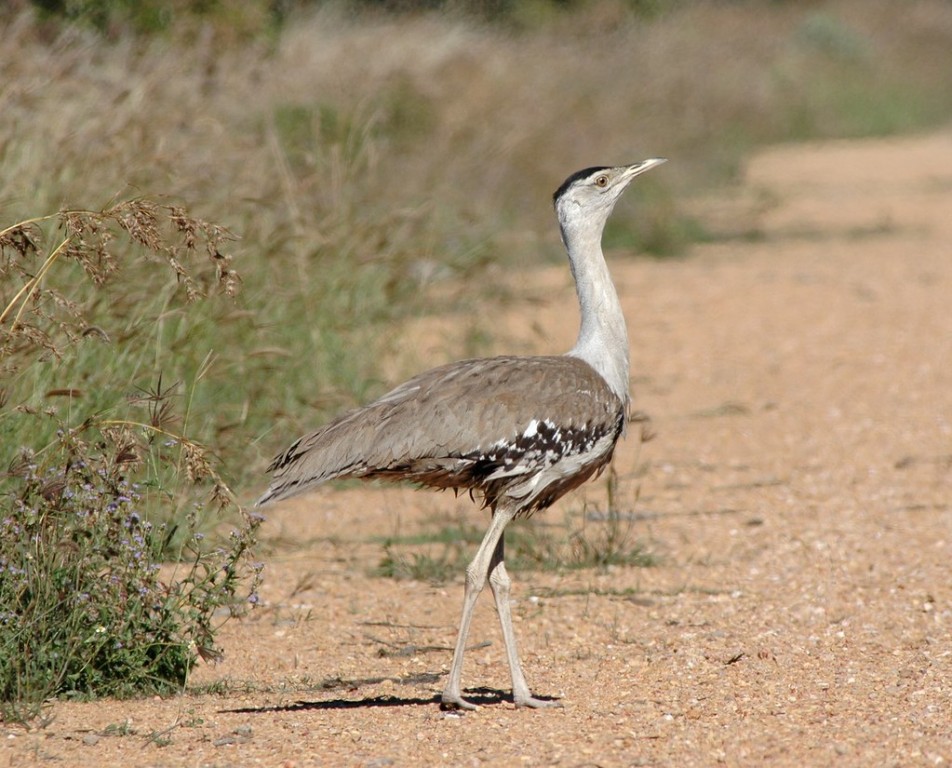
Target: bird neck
<point>603,337</point>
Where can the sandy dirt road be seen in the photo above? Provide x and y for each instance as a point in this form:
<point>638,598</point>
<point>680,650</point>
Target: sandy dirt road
<point>798,496</point>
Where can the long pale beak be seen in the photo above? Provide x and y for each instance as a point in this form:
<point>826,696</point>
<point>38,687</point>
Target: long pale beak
<point>645,165</point>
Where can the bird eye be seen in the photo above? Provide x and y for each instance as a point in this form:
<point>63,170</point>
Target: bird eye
<point>601,181</point>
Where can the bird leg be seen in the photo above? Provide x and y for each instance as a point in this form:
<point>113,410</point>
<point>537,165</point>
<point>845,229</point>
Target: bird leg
<point>477,573</point>
<point>500,583</point>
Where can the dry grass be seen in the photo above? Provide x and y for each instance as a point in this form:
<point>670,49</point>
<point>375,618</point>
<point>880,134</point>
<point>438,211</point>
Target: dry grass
<point>362,159</point>
<point>91,499</point>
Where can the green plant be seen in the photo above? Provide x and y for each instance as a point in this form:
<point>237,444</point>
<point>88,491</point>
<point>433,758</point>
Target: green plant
<point>419,566</point>
<point>92,502</point>
<point>246,18</point>
<point>591,537</point>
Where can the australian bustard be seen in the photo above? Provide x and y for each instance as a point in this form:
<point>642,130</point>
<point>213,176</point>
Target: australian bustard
<point>520,431</point>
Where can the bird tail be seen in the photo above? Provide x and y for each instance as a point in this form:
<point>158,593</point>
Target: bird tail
<point>272,494</point>
<point>293,483</point>
<point>332,451</point>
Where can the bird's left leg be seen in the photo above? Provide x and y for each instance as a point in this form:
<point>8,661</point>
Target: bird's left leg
<point>476,575</point>
<point>501,584</point>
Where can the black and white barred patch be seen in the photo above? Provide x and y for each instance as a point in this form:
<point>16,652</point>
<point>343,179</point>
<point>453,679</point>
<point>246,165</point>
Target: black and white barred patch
<point>537,467</point>
<point>542,444</point>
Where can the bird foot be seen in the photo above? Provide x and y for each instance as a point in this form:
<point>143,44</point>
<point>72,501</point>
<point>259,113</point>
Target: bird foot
<point>533,703</point>
<point>454,701</point>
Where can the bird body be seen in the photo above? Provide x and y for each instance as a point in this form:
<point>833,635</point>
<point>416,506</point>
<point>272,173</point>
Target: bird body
<point>469,426</point>
<point>519,431</point>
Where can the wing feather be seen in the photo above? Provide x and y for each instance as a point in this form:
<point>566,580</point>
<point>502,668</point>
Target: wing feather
<point>462,425</point>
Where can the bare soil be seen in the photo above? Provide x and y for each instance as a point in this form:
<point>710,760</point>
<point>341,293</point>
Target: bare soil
<point>798,496</point>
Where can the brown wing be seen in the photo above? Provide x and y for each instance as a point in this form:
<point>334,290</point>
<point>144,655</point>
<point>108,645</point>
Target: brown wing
<point>458,426</point>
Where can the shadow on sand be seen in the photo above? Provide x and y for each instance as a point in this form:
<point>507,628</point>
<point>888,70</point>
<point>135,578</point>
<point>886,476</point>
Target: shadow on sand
<point>478,696</point>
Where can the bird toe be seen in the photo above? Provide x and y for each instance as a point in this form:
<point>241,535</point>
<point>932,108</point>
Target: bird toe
<point>534,703</point>
<point>452,702</point>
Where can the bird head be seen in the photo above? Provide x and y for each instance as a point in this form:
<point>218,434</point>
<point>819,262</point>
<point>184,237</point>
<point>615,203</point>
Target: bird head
<point>591,194</point>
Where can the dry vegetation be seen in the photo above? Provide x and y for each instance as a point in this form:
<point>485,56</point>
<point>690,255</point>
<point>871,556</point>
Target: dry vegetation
<point>358,157</point>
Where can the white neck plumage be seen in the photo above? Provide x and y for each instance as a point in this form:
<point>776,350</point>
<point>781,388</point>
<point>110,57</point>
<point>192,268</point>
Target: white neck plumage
<point>603,337</point>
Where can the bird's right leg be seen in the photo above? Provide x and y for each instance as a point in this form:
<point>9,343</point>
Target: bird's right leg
<point>501,584</point>
<point>477,573</point>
